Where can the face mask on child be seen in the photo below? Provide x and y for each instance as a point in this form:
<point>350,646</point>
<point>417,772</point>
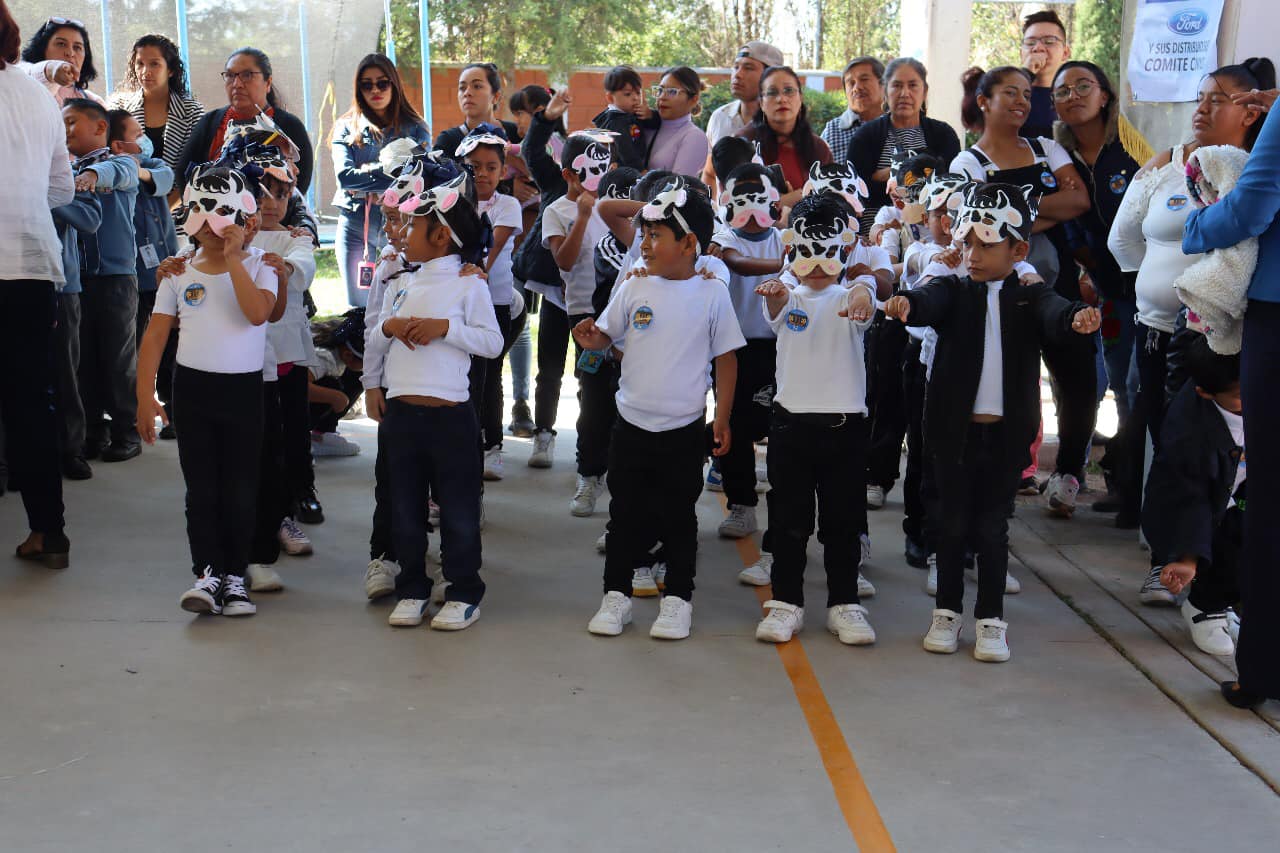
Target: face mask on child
<point>146,150</point>
<point>749,201</point>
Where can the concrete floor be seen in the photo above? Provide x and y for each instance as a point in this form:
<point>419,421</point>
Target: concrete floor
<point>128,725</point>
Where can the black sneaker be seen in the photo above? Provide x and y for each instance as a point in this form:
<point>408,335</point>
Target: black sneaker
<point>168,433</point>
<point>917,556</point>
<point>309,510</point>
<point>522,425</point>
<point>76,468</point>
<point>235,598</point>
<point>121,451</point>
<point>205,596</point>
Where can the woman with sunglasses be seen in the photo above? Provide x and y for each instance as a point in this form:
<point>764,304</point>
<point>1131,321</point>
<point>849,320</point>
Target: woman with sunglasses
<point>379,115</point>
<point>60,58</point>
<point>250,90</point>
<point>678,145</point>
<point>781,126</point>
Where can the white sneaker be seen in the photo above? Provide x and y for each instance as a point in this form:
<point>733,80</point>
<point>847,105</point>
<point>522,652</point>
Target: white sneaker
<point>780,623</point>
<point>642,583</point>
<point>380,578</point>
<point>875,497</point>
<point>675,616</point>
<point>759,573</point>
<point>991,645</point>
<point>332,444</point>
<point>614,615</point>
<point>762,479</point>
<point>263,578</point>
<point>455,615</point>
<point>292,539</point>
<point>944,634</point>
<point>1061,493</point>
<point>660,576</point>
<point>601,543</point>
<point>439,590</point>
<point>408,613</point>
<point>739,523</point>
<point>583,504</point>
<point>849,623</point>
<point>1011,584</point>
<point>866,589</point>
<point>235,598</point>
<point>544,450</point>
<point>931,581</point>
<point>205,596</point>
<point>1211,632</point>
<point>493,463</point>
<point>1233,624</point>
<point>1154,592</point>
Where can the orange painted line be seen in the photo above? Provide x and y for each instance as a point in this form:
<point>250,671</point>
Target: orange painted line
<point>853,797</point>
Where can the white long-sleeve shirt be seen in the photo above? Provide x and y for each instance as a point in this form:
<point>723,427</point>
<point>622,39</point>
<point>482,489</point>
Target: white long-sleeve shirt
<point>290,336</point>
<point>389,263</point>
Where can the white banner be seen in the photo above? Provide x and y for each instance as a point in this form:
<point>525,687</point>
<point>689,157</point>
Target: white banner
<point>1175,43</point>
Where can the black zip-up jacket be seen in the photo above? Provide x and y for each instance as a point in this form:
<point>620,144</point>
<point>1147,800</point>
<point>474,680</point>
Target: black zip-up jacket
<point>1106,180</point>
<point>533,261</point>
<point>956,307</point>
<point>1190,481</point>
<point>629,148</point>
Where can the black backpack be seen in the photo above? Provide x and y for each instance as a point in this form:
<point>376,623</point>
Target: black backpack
<point>534,261</point>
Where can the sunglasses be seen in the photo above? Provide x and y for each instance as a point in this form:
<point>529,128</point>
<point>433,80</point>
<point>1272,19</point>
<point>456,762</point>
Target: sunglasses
<point>369,85</point>
<point>62,22</point>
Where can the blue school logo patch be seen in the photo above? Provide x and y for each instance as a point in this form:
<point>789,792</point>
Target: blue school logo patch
<point>1049,181</point>
<point>642,318</point>
<point>398,301</point>
<point>194,294</point>
<point>1118,184</point>
<point>1176,202</point>
<point>797,320</point>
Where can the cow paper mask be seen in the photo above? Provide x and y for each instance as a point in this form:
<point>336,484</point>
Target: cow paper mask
<point>841,179</point>
<point>749,194</point>
<point>994,212</point>
<point>217,199</point>
<point>594,160</point>
<point>819,244</point>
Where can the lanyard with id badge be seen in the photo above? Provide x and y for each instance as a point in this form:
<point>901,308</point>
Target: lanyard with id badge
<point>366,268</point>
<point>592,360</point>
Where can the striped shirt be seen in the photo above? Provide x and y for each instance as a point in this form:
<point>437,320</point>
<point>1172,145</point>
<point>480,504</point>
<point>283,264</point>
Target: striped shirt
<point>183,114</point>
<point>904,138</point>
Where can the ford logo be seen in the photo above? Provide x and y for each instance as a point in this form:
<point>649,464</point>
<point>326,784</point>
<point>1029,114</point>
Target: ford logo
<point>1189,22</point>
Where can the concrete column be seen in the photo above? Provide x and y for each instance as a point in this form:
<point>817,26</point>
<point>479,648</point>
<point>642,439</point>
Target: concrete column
<point>936,32</point>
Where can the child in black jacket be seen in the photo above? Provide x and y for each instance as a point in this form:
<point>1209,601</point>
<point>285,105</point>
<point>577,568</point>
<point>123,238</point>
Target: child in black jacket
<point>627,115</point>
<point>982,406</point>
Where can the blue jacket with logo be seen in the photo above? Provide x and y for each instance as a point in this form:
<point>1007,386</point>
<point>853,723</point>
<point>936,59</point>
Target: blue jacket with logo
<point>82,216</point>
<point>112,250</point>
<point>152,222</point>
<point>1106,182</point>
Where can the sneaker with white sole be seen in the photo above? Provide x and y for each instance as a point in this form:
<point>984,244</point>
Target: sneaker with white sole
<point>675,617</point>
<point>781,622</point>
<point>614,615</point>
<point>1211,632</point>
<point>205,596</point>
<point>739,523</point>
<point>235,598</point>
<point>1233,624</point>
<point>1154,592</point>
<point>380,578</point>
<point>931,580</point>
<point>759,573</point>
<point>332,444</point>
<point>944,633</point>
<point>455,615</point>
<point>866,589</point>
<point>660,576</point>
<point>293,540</point>
<point>992,644</point>
<point>715,482</point>
<point>875,497</point>
<point>849,623</point>
<point>493,463</point>
<point>642,583</point>
<point>1061,495</point>
<point>408,613</point>
<point>864,546</point>
<point>1012,586</point>
<point>588,490</point>
<point>544,449</point>
<point>263,578</point>
<point>602,543</point>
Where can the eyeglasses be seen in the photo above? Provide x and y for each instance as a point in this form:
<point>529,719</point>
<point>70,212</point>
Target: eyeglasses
<point>786,92</point>
<point>245,77</point>
<point>61,22</point>
<point>1081,90</point>
<point>369,85</point>
<point>1047,41</point>
<point>669,91</point>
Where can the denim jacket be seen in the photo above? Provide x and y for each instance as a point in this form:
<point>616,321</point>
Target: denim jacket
<point>357,166</point>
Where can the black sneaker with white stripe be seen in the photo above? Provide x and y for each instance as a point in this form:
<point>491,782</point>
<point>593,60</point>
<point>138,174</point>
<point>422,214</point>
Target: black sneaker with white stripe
<point>235,597</point>
<point>205,596</point>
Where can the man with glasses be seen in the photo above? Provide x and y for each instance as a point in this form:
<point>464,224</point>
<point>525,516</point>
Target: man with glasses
<point>1044,49</point>
<point>752,59</point>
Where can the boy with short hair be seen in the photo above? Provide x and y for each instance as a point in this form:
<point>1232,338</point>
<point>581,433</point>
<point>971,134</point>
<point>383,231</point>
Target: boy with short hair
<point>627,115</point>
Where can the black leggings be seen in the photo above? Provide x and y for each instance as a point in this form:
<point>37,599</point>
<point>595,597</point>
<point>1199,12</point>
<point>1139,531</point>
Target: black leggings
<point>491,394</point>
<point>273,498</point>
<point>295,420</point>
<point>1073,365</point>
<point>553,345</point>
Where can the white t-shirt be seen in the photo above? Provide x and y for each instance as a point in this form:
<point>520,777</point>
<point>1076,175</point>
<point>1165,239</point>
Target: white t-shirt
<point>1055,156</point>
<point>742,288</point>
<point>890,219</point>
<point>990,398</point>
<point>580,281</point>
<point>213,334</point>
<point>290,336</point>
<point>820,362</point>
<point>725,121</point>
<point>504,212</point>
<point>438,369</point>
<point>704,263</point>
<point>671,330</point>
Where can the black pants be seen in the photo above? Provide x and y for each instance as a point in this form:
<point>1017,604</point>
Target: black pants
<point>1073,366</point>
<point>654,482</point>
<point>146,304</point>
<point>490,396</point>
<point>321,417</point>
<point>553,345</point>
<point>597,412</point>
<point>433,450</point>
<point>109,356</point>
<point>381,542</point>
<point>886,341</point>
<point>219,417</point>
<point>815,455</point>
<point>975,495</point>
<point>914,383</point>
<point>67,369</point>
<point>164,376</point>
<point>295,421</point>
<point>1217,587</point>
<point>27,403</point>
<point>1258,652</point>
<point>1147,414</point>
<point>749,419</point>
<point>274,500</point>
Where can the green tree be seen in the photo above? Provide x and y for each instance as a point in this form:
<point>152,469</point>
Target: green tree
<point>859,28</point>
<point>996,33</point>
<point>1097,36</point>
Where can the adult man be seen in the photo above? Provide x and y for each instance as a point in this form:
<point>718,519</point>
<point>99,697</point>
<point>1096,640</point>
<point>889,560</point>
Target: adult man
<point>753,58</point>
<point>864,89</point>
<point>1044,49</point>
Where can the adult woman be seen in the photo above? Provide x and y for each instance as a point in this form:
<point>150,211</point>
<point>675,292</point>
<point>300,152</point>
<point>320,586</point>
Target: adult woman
<point>1251,210</point>
<point>1147,237</point>
<point>250,90</point>
<point>60,58</point>
<point>781,126</point>
<point>479,94</point>
<point>36,174</point>
<point>678,144</point>
<point>379,115</point>
<point>904,126</point>
<point>155,91</point>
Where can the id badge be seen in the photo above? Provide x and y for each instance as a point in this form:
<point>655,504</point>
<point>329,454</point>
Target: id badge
<point>149,256</point>
<point>365,278</point>
<point>591,359</point>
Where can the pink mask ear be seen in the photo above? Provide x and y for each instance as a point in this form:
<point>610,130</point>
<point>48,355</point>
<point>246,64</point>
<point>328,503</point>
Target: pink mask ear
<point>408,205</point>
<point>725,198</point>
<point>248,202</point>
<point>773,194</point>
<point>389,198</point>
<point>445,202</point>
<point>417,185</point>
